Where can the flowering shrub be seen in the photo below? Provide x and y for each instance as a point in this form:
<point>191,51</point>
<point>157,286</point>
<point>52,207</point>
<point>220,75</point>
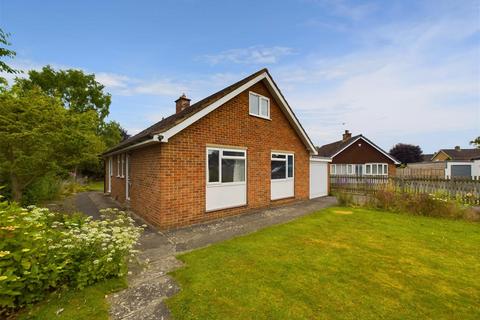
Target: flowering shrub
<point>41,250</point>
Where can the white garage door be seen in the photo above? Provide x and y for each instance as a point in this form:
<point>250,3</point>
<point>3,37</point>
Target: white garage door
<point>318,178</point>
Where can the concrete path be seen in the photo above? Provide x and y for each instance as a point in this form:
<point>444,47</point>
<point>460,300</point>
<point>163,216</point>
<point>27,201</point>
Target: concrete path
<point>148,282</point>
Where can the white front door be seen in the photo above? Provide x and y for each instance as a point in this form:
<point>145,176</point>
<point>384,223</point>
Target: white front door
<point>282,183</point>
<point>318,179</point>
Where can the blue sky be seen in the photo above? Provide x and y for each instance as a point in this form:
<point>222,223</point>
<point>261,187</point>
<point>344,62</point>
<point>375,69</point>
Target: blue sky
<point>396,71</point>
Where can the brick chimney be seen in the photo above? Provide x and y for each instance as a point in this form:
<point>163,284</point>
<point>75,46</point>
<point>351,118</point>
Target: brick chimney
<point>457,148</point>
<point>347,135</point>
<point>182,103</point>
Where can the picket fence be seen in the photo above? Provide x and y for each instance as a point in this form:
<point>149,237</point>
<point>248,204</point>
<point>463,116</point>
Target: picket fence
<point>465,191</point>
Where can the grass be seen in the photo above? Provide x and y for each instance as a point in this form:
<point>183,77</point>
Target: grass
<point>86,304</point>
<point>95,186</point>
<point>339,263</point>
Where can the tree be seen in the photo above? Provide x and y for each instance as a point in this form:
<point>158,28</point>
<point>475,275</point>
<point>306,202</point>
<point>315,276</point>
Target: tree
<point>406,153</point>
<point>476,142</point>
<point>77,91</point>
<point>39,137</point>
<point>5,52</point>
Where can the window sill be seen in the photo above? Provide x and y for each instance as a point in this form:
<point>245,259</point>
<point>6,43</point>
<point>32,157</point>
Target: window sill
<point>225,184</point>
<point>282,180</point>
<point>259,116</point>
<point>225,208</point>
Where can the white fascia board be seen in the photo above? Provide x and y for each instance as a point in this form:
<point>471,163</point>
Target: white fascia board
<point>197,116</point>
<point>134,146</point>
<point>320,159</point>
<point>370,143</point>
<point>302,132</point>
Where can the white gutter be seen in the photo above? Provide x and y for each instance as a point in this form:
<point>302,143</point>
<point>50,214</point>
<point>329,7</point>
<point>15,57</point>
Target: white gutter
<point>320,159</point>
<point>155,138</point>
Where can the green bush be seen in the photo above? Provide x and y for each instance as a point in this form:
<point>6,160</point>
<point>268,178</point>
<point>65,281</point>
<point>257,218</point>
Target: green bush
<point>344,199</point>
<point>417,204</point>
<point>42,250</point>
<point>45,188</point>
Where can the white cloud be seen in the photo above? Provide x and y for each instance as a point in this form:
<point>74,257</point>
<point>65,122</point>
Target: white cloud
<point>424,80</point>
<point>251,55</point>
<point>112,80</point>
<point>346,9</point>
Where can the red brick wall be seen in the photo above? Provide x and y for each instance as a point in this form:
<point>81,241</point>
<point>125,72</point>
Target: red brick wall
<point>118,183</point>
<point>169,179</point>
<point>364,153</point>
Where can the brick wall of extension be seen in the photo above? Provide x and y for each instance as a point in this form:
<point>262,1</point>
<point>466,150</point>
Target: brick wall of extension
<point>362,152</point>
<point>168,180</point>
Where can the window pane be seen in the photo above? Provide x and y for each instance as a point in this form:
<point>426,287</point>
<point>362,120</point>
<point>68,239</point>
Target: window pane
<point>385,169</point>
<point>278,156</point>
<point>234,153</point>
<point>367,169</point>
<point>263,107</point>
<point>349,169</point>
<point>254,104</point>
<point>333,169</point>
<point>233,170</point>
<point>374,169</point>
<point>213,174</point>
<point>380,169</point>
<point>290,166</point>
<point>358,169</point>
<point>278,169</point>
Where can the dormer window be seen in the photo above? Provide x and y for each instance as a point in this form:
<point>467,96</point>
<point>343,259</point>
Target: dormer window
<point>259,106</point>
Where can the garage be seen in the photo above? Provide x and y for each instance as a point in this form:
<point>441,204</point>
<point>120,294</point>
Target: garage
<point>319,177</point>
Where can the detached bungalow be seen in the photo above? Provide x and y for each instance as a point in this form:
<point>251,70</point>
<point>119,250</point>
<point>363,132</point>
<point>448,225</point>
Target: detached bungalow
<point>358,156</point>
<point>241,148</point>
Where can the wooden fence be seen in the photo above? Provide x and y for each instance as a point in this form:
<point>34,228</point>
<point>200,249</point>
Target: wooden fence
<point>420,172</point>
<point>465,191</point>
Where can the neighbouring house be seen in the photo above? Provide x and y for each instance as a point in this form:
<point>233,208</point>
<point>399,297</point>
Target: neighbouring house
<point>240,148</point>
<point>459,163</point>
<point>358,156</point>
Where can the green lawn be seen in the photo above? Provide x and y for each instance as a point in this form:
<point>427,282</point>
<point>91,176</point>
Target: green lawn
<point>95,186</point>
<point>86,304</point>
<point>339,263</point>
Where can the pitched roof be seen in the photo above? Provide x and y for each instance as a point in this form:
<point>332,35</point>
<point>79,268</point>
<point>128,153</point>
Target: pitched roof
<point>427,157</point>
<point>332,149</point>
<point>177,118</point>
<point>328,150</point>
<point>461,154</point>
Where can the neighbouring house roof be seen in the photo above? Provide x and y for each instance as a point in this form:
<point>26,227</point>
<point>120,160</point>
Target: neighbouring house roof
<point>460,154</point>
<point>171,125</point>
<point>427,157</point>
<point>334,148</point>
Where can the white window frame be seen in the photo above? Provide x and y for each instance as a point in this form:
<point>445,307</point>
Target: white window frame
<point>384,167</point>
<point>123,166</point>
<point>221,156</point>
<point>350,170</point>
<point>110,166</point>
<point>260,97</point>
<point>118,166</point>
<point>286,165</point>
